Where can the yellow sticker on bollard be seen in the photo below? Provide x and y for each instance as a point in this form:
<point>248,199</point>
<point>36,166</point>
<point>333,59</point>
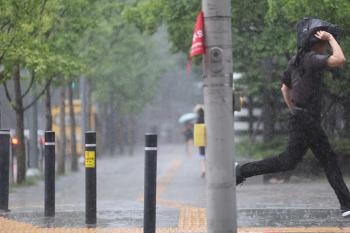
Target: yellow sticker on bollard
<point>90,159</point>
<point>199,135</point>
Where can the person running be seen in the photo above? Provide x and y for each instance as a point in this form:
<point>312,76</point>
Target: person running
<point>301,85</point>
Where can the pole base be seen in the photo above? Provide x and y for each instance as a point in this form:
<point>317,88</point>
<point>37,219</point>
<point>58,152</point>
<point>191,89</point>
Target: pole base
<point>88,225</point>
<point>4,211</point>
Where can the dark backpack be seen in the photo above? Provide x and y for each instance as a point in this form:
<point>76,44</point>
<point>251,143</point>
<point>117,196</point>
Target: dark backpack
<point>307,27</point>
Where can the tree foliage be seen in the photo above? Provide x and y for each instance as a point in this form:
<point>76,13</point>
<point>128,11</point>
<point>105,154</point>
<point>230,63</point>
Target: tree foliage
<point>264,37</point>
<point>41,40</point>
<point>125,65</point>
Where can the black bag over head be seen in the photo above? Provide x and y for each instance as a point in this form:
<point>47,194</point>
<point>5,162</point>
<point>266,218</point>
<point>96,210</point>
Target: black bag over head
<point>307,27</point>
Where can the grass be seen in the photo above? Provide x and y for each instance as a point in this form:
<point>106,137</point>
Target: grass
<point>259,150</point>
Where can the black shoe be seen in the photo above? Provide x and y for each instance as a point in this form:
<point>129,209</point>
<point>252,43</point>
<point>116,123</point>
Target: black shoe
<point>345,213</point>
<point>239,178</point>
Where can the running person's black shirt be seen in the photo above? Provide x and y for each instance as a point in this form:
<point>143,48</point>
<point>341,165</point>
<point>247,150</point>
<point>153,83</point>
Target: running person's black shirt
<point>305,83</point>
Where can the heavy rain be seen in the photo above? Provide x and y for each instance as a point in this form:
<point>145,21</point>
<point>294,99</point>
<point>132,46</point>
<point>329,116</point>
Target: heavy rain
<point>174,116</point>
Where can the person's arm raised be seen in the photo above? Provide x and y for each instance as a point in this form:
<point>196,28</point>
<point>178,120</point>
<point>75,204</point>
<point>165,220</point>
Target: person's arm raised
<point>337,58</point>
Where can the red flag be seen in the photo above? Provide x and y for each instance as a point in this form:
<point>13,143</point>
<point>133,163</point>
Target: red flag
<point>198,37</point>
<point>197,41</point>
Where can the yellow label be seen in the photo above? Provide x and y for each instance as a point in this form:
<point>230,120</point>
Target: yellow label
<point>90,157</point>
<point>199,135</point>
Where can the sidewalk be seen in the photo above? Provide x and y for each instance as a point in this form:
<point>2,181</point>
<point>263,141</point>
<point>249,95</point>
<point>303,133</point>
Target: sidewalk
<point>180,201</point>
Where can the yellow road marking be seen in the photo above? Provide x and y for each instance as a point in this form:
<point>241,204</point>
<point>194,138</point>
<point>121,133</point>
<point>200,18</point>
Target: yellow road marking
<point>165,180</point>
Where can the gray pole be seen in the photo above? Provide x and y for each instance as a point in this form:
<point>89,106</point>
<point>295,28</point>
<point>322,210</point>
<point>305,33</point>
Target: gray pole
<point>221,182</point>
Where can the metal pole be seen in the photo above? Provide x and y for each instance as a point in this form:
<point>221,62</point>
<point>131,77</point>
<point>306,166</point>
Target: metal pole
<point>4,169</point>
<point>221,182</point>
<point>149,217</point>
<point>90,178</point>
<point>49,173</point>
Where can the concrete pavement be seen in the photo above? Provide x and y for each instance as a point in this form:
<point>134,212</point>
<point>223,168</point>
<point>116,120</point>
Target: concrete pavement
<point>181,200</point>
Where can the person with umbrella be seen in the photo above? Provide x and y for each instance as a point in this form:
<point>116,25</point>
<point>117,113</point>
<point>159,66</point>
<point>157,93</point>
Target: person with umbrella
<point>188,119</point>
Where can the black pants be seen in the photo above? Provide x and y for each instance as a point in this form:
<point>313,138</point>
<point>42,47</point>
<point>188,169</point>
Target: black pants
<point>305,132</point>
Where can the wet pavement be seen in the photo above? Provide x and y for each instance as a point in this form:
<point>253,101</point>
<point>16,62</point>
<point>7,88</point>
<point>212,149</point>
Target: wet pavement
<point>180,197</point>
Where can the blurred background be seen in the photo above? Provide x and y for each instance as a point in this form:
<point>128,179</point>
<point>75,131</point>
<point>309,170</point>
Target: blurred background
<point>118,67</point>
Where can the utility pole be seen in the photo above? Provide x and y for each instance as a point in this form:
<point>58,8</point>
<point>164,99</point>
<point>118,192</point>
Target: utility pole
<point>221,181</point>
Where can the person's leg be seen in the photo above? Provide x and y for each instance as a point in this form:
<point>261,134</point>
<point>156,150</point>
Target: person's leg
<point>320,146</point>
<point>203,167</point>
<point>189,146</point>
<point>297,147</point>
<point>202,158</point>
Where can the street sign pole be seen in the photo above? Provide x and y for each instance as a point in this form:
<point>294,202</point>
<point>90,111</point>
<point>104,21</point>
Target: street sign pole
<point>221,182</point>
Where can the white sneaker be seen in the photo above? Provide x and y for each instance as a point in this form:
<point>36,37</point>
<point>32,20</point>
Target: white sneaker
<point>345,213</point>
<point>239,177</point>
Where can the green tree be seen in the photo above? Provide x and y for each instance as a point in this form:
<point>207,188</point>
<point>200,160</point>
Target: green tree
<point>23,26</point>
<point>263,40</point>
<point>125,66</point>
<point>37,38</point>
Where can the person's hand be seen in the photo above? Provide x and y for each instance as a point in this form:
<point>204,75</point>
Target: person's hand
<point>323,35</point>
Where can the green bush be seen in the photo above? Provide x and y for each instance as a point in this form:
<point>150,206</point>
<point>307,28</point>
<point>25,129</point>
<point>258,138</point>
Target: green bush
<point>259,150</point>
<point>341,145</point>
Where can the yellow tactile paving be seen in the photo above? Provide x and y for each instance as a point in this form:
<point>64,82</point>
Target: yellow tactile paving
<point>192,218</point>
<point>191,225</point>
<point>295,230</point>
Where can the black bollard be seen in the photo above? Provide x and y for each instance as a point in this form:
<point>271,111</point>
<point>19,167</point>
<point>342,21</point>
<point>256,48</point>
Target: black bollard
<point>50,159</point>
<point>90,178</point>
<point>4,169</point>
<point>149,215</point>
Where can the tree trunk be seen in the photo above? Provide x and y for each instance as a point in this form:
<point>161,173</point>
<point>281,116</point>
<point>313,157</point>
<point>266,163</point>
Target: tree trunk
<point>109,133</point>
<point>34,152</point>
<point>103,128</point>
<point>48,114</point>
<point>62,137</point>
<point>21,150</point>
<point>250,117</point>
<point>73,136</point>
<point>121,134</point>
<point>268,116</point>
<point>268,107</point>
<point>83,116</point>
<point>88,105</point>
<point>130,135</point>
